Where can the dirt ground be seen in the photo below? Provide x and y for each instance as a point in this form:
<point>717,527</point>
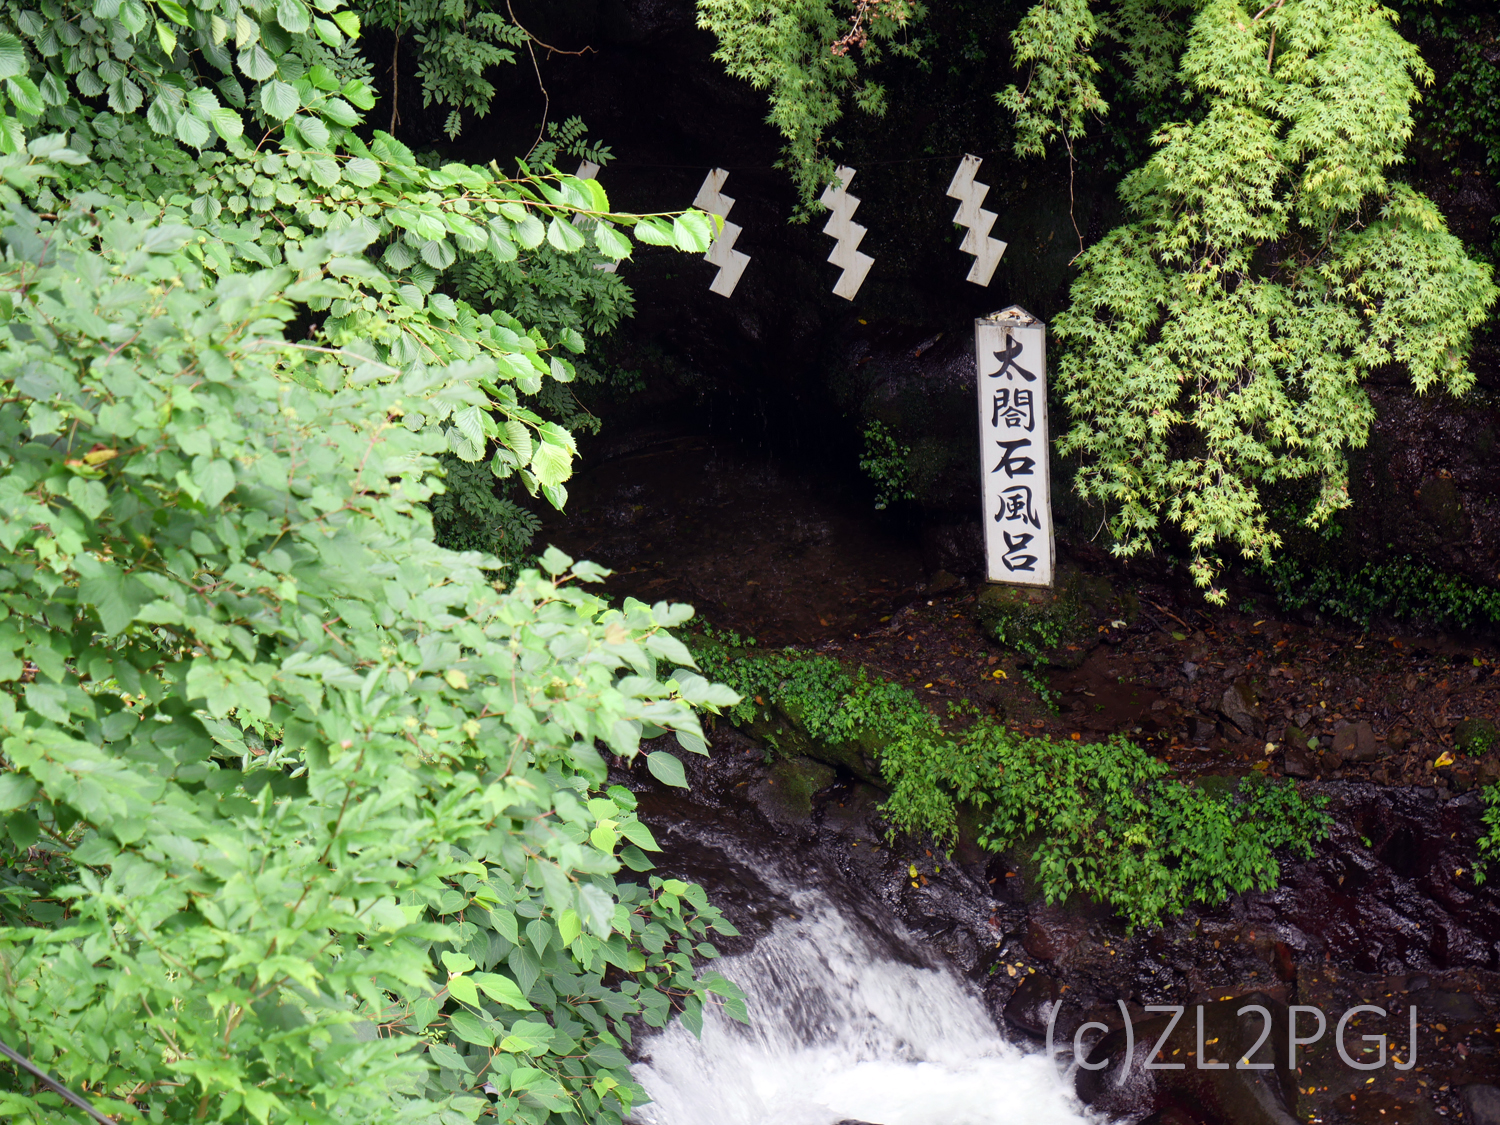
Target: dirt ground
<point>793,556</point>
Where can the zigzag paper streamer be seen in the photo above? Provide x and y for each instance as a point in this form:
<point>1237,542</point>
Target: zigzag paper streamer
<point>841,225</point>
<point>587,171</point>
<point>721,252</point>
<point>977,241</point>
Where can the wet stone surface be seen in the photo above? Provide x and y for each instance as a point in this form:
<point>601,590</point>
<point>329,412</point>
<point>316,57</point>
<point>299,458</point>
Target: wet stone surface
<point>1382,915</point>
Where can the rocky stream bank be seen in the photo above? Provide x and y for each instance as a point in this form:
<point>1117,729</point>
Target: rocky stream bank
<point>1383,914</point>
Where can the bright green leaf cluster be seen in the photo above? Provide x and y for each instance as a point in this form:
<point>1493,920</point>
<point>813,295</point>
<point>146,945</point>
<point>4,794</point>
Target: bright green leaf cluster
<point>1215,344</point>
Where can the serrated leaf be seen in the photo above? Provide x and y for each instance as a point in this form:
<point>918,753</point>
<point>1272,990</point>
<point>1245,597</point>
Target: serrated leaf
<point>551,464</point>
<point>692,232</point>
<point>437,253</point>
<point>12,56</point>
<point>530,231</point>
<point>362,172</point>
<point>653,233</point>
<point>611,243</point>
<point>174,12</point>
<point>348,23</point>
<point>167,38</point>
<point>293,16</point>
<point>193,131</point>
<point>227,123</point>
<point>340,112</point>
<point>518,438</point>
<point>279,99</point>
<point>256,64</point>
<point>564,236</point>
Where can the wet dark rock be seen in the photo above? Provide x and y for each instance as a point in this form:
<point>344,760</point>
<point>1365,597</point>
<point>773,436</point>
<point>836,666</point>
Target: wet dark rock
<point>1230,1095</point>
<point>942,582</point>
<point>1475,736</point>
<point>1051,933</point>
<point>1355,742</point>
<point>1172,1115</point>
<point>1241,707</point>
<point>1030,1007</point>
<point>785,794</point>
<point>1481,1104</point>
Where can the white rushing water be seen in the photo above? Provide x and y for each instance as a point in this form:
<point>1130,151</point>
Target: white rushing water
<point>839,1031</point>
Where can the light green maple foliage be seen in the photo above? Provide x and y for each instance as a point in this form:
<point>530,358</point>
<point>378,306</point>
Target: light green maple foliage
<point>1216,342</point>
<point>804,53</point>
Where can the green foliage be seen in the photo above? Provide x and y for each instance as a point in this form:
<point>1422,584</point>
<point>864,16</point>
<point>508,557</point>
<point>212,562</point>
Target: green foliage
<point>303,815</point>
<point>1475,737</point>
<point>1102,818</point>
<point>295,769</point>
<point>1052,43</point>
<point>1468,112</point>
<point>1215,344</point>
<point>888,465</point>
<point>802,52</point>
<point>1405,588</point>
<point>1111,826</point>
<point>456,42</point>
<point>1487,847</point>
<point>1031,623</point>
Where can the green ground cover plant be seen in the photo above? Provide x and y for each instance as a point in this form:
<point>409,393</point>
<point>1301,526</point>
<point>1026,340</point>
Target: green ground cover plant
<point>1099,819</point>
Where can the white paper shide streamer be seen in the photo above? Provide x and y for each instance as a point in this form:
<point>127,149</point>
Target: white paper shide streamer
<point>1011,361</point>
<point>587,170</point>
<point>841,225</point>
<point>977,241</point>
<point>721,253</point>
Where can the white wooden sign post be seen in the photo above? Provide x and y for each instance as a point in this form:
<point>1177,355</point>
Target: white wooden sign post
<point>1010,350</point>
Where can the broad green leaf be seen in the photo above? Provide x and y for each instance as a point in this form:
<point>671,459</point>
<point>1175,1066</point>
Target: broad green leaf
<point>530,231</point>
<point>666,769</point>
<point>15,790</point>
<point>227,123</point>
<point>692,232</point>
<point>462,988</point>
<point>611,243</point>
<point>564,236</point>
<point>362,172</point>
<point>193,131</point>
<point>279,100</point>
<point>216,479</point>
<point>349,24</point>
<point>653,233</point>
<point>292,15</point>
<point>502,990</point>
<point>12,56</point>
<point>166,37</point>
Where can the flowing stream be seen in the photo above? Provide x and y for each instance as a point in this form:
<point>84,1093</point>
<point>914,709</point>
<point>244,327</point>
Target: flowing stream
<point>844,1028</point>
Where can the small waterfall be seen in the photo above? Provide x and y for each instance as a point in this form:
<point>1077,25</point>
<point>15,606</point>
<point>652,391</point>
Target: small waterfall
<point>843,1030</point>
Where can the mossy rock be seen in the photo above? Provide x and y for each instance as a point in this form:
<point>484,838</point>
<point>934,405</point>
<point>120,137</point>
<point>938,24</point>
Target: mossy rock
<point>1052,626</point>
<point>1475,737</point>
<point>786,794</point>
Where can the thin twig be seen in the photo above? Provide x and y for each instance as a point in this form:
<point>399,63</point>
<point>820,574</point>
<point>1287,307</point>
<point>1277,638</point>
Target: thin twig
<point>551,50</point>
<point>56,1087</point>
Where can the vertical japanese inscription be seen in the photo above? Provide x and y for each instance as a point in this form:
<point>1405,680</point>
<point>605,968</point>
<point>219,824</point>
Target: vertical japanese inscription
<point>1011,355</point>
